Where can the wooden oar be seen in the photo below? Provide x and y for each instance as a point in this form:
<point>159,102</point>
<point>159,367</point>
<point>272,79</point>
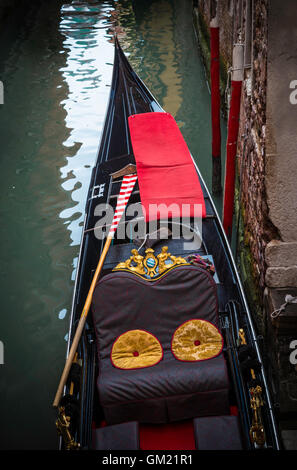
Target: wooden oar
<point>128,183</point>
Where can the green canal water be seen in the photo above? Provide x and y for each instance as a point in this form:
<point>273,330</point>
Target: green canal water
<point>56,69</point>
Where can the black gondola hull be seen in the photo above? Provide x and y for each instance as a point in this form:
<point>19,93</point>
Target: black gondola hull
<point>130,96</point>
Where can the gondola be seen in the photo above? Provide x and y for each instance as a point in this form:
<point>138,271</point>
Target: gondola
<point>140,379</point>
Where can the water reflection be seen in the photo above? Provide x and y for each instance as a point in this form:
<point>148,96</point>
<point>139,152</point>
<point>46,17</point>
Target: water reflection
<point>87,73</point>
<point>159,37</point>
<point>159,18</point>
<point>55,79</point>
<point>56,65</point>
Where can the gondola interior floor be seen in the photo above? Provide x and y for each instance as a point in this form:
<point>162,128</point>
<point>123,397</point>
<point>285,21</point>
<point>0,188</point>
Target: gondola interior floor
<point>180,435</point>
<point>160,320</point>
<point>173,436</point>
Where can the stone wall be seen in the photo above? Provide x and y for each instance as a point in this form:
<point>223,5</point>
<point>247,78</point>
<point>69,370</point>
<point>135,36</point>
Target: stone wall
<point>265,208</point>
<point>266,189</point>
<point>252,198</point>
<point>281,148</point>
<point>238,24</point>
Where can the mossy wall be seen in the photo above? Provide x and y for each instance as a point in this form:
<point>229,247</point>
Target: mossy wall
<point>250,217</point>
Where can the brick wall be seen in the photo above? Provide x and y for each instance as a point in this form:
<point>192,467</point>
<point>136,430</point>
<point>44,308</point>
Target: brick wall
<point>266,190</point>
<point>252,214</point>
<point>252,203</point>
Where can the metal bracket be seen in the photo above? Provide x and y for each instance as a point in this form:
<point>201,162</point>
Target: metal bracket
<point>97,191</point>
<point>257,433</point>
<point>63,427</point>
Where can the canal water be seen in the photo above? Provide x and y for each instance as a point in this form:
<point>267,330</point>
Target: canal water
<point>56,66</point>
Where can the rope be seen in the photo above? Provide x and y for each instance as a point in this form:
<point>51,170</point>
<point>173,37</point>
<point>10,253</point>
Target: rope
<point>227,89</point>
<point>289,299</point>
<point>144,241</point>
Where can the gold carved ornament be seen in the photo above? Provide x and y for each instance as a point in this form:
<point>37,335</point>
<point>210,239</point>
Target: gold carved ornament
<point>63,428</point>
<point>150,265</point>
<point>63,421</point>
<point>257,433</point>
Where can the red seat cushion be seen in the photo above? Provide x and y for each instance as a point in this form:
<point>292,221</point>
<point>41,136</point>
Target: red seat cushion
<point>166,172</point>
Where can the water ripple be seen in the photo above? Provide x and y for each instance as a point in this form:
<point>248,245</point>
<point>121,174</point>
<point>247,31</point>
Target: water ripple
<point>87,75</point>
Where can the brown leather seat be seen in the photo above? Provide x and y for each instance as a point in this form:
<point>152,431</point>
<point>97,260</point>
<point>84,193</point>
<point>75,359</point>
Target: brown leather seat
<point>171,390</point>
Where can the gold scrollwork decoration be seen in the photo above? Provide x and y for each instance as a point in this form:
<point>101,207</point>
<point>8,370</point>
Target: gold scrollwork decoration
<point>63,427</point>
<point>137,259</point>
<point>257,433</point>
<point>150,265</point>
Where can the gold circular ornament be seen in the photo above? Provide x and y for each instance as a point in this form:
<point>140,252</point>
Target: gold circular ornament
<point>136,349</point>
<point>196,340</point>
